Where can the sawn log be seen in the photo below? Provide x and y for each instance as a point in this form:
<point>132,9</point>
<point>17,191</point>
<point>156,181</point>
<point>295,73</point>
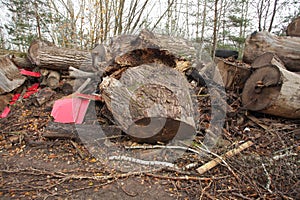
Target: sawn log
<point>151,103</point>
<point>285,47</point>
<point>272,89</point>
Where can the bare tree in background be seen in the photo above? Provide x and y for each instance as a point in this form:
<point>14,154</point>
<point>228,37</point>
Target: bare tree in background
<point>215,30</point>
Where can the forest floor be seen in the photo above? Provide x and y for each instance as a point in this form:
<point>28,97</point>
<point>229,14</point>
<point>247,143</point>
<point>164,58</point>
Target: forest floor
<point>35,167</point>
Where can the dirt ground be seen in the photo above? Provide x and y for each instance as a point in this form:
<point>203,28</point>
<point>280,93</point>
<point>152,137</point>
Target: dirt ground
<point>35,167</point>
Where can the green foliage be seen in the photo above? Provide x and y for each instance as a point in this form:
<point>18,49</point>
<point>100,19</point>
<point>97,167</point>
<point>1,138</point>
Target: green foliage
<point>24,17</point>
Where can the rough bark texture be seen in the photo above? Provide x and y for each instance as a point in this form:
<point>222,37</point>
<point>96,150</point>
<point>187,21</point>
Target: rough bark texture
<point>293,28</point>
<point>9,75</point>
<point>48,56</point>
<point>234,74</point>
<point>151,103</point>
<point>273,90</point>
<point>285,47</point>
<point>147,47</point>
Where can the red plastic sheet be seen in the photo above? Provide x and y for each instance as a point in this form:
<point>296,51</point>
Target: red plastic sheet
<point>30,73</point>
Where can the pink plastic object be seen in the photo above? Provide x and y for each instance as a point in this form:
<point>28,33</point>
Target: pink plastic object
<point>70,110</point>
<point>5,112</point>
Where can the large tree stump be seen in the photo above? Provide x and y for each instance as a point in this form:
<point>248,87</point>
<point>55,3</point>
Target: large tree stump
<point>151,103</point>
<point>293,28</point>
<point>285,47</point>
<point>9,75</point>
<point>271,89</point>
<point>46,55</point>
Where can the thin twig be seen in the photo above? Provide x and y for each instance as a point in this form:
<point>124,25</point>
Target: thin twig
<point>187,178</point>
<point>269,178</point>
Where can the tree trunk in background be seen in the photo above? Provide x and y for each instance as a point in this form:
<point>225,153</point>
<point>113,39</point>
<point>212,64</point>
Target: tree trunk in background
<point>215,33</point>
<point>285,47</point>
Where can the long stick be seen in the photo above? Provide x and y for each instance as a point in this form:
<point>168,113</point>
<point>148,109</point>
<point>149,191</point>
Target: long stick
<point>211,164</point>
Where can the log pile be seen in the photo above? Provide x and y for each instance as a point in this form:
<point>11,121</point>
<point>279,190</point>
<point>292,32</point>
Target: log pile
<point>144,78</point>
<point>274,86</point>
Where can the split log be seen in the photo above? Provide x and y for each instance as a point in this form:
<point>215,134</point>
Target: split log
<point>151,103</point>
<point>46,55</point>
<point>9,75</point>
<point>293,28</point>
<point>285,47</point>
<point>53,79</point>
<point>271,89</point>
<point>234,74</point>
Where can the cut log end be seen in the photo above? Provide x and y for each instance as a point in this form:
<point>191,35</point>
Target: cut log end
<point>261,88</point>
<point>266,59</point>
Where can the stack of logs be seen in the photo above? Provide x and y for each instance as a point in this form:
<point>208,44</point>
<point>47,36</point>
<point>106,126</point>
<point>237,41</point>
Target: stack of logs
<point>267,76</point>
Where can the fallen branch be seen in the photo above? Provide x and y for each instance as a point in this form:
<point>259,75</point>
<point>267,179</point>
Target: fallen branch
<point>188,178</point>
<point>211,164</point>
<point>162,147</point>
<point>144,162</point>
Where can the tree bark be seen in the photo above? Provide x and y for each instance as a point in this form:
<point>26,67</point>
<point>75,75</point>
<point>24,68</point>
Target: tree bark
<point>151,103</point>
<point>293,28</point>
<point>146,47</point>
<point>285,47</point>
<point>271,89</point>
<point>48,56</point>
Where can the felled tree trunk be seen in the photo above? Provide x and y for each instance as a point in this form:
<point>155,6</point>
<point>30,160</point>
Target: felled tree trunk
<point>293,28</point>
<point>148,47</point>
<point>285,47</point>
<point>234,74</point>
<point>46,55</point>
<point>151,103</point>
<point>272,89</point>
